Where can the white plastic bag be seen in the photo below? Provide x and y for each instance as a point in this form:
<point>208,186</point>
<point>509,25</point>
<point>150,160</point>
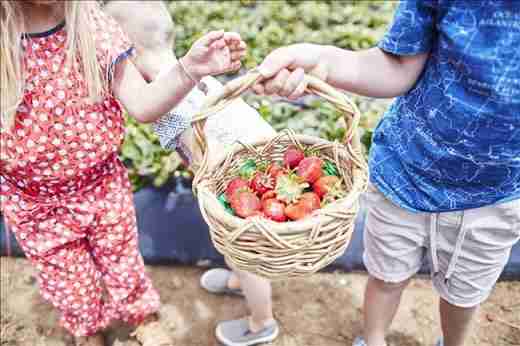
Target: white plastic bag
<point>238,122</point>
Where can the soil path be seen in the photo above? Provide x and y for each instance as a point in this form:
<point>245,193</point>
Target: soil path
<point>324,310</point>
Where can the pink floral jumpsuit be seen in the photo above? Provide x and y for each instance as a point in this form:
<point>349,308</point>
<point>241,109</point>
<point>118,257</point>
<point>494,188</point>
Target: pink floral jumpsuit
<point>65,194</point>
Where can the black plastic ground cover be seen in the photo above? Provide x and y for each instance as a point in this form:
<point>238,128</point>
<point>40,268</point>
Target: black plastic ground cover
<point>173,231</point>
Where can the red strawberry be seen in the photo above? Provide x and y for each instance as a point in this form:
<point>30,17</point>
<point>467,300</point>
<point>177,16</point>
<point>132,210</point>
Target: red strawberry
<point>261,183</point>
<point>295,211</point>
<point>325,184</point>
<point>268,195</point>
<point>257,213</point>
<point>245,203</point>
<point>275,170</point>
<point>235,185</point>
<point>274,210</point>
<point>310,169</point>
<point>310,201</point>
<point>292,157</point>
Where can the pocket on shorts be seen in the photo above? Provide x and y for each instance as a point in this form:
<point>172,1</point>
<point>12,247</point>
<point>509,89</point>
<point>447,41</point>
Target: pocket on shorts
<point>510,212</point>
<point>499,222</point>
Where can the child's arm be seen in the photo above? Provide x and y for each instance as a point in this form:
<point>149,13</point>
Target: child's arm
<point>389,70</point>
<point>215,53</point>
<point>373,72</point>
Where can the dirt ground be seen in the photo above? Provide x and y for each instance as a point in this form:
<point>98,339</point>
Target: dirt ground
<point>324,310</point>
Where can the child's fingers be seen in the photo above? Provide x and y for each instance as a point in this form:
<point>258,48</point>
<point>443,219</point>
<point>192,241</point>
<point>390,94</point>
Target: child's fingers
<point>237,55</point>
<point>276,61</point>
<point>299,91</point>
<point>211,37</point>
<point>233,67</point>
<point>219,44</point>
<point>240,47</point>
<point>236,65</point>
<point>258,88</point>
<point>232,38</point>
<point>294,80</point>
<point>275,85</point>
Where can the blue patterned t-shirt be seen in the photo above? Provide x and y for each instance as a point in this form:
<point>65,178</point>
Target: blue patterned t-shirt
<point>453,141</point>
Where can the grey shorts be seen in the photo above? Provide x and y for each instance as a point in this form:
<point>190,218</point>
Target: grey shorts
<point>467,250</point>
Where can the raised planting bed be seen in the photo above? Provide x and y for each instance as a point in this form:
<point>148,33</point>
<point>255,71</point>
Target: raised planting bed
<point>172,231</point>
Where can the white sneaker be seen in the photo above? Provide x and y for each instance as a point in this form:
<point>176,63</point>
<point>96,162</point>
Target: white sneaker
<point>237,333</point>
<point>359,342</point>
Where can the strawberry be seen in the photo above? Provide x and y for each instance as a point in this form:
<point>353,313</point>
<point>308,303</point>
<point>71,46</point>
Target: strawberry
<point>295,212</point>
<point>310,201</point>
<point>274,210</point>
<point>310,169</point>
<point>245,204</point>
<point>292,157</point>
<point>326,184</point>
<point>235,185</point>
<point>261,183</point>
<point>275,170</point>
<point>268,195</point>
<point>257,213</point>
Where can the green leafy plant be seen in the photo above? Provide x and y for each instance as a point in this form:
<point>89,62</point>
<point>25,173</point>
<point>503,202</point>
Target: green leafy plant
<point>266,25</point>
<point>147,162</point>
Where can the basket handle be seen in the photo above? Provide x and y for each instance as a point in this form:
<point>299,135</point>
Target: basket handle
<point>235,88</point>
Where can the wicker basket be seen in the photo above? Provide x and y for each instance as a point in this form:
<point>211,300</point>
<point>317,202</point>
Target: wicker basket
<point>267,248</point>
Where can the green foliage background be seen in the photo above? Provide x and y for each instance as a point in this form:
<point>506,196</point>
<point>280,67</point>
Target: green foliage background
<point>266,25</point>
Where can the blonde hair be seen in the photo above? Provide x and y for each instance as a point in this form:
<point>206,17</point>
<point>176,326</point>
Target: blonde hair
<point>80,45</point>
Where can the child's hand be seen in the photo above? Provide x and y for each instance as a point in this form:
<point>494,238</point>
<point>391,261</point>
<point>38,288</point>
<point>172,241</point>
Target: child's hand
<point>284,69</point>
<point>215,53</point>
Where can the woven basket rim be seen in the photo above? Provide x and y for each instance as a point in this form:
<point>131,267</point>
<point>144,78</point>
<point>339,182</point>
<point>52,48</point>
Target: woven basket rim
<point>209,203</point>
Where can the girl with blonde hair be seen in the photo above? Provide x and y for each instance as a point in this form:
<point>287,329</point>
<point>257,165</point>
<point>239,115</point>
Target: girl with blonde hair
<point>65,78</point>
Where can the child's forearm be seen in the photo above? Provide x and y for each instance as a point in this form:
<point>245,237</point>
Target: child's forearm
<point>147,102</point>
<point>372,72</point>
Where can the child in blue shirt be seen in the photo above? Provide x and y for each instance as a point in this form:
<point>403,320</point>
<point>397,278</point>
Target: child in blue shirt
<point>445,160</point>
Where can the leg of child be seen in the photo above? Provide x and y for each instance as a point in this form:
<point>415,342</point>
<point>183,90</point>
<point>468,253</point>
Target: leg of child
<point>380,306</point>
<point>82,247</point>
<point>115,248</point>
<point>471,261</point>
<point>260,326</point>
<point>257,292</point>
<point>54,240</point>
<point>381,303</point>
<point>455,322</point>
<point>393,254</point>
<point>113,239</point>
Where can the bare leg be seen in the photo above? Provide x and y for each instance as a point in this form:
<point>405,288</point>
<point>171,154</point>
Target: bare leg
<point>381,302</point>
<point>234,282</point>
<point>456,322</point>
<point>257,292</point>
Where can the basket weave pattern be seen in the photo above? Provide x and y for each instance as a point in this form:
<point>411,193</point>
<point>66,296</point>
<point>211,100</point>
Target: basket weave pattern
<point>264,247</point>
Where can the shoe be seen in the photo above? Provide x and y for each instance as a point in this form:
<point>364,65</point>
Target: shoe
<point>440,342</point>
<point>237,333</point>
<point>359,342</point>
<point>216,281</point>
<point>93,340</point>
